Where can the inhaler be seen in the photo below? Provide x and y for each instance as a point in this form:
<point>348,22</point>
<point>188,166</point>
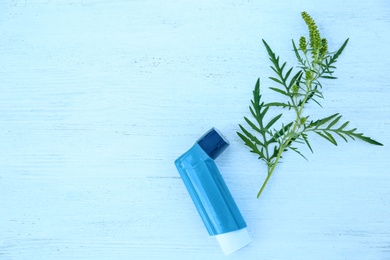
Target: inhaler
<point>211,196</point>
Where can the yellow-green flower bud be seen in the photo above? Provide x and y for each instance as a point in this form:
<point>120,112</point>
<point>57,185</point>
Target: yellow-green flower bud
<point>302,120</point>
<point>309,75</point>
<point>295,89</point>
<point>314,34</point>
<point>324,47</point>
<point>302,44</point>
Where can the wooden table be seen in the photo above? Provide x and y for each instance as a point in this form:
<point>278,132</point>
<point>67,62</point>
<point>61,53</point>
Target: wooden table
<point>98,98</point>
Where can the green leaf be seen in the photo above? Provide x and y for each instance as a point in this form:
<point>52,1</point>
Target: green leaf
<point>276,80</point>
<point>250,136</point>
<point>276,70</point>
<point>276,66</point>
<point>255,115</point>
<point>337,54</point>
<point>315,101</point>
<point>254,127</point>
<point>332,59</point>
<point>262,114</point>
<point>304,137</point>
<point>328,77</point>
<point>273,121</point>
<point>282,68</point>
<point>366,139</point>
<point>298,152</point>
<point>319,127</point>
<point>298,56</point>
<point>256,94</point>
<point>334,122</point>
<point>287,75</point>
<point>270,52</point>
<point>342,136</point>
<point>326,137</point>
<point>280,91</point>
<point>248,143</point>
<point>296,79</point>
<point>321,122</point>
<point>275,152</point>
<point>280,104</point>
<point>280,133</point>
<point>331,138</point>
<point>343,126</point>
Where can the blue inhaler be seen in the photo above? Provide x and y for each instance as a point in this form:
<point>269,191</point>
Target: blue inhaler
<point>211,196</point>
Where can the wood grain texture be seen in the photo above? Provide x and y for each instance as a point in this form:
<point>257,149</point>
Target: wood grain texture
<point>98,98</point>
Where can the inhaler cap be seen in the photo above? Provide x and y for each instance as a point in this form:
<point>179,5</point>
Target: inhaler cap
<point>232,241</point>
<point>213,143</point>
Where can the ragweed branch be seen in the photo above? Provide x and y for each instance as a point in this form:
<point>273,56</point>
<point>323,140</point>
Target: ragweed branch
<point>315,63</point>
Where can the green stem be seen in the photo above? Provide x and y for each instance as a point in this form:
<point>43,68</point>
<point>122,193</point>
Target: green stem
<point>264,184</point>
<point>285,143</point>
<point>270,171</point>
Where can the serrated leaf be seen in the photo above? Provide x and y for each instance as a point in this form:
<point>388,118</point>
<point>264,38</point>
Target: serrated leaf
<point>334,122</point>
<point>250,136</point>
<point>254,115</point>
<point>280,91</point>
<point>367,139</point>
<point>270,53</point>
<point>276,80</point>
<point>254,127</point>
<point>297,54</point>
<point>287,75</point>
<point>342,136</point>
<point>280,104</point>
<point>251,145</point>
<point>275,70</point>
<point>315,101</point>
<point>275,152</point>
<point>343,126</point>
<point>298,152</point>
<point>296,78</point>
<point>337,54</point>
<point>273,121</point>
<point>281,68</point>
<point>304,137</point>
<point>323,121</point>
<point>275,61</point>
<point>262,114</point>
<point>328,77</point>
<point>332,59</point>
<point>246,141</point>
<point>261,154</point>
<point>326,137</point>
<point>331,138</point>
<point>280,133</point>
<point>256,93</point>
<point>325,132</point>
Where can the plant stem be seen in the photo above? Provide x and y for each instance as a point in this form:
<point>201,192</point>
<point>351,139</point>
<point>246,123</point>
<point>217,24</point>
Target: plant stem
<point>270,171</point>
<point>285,144</point>
<point>264,184</point>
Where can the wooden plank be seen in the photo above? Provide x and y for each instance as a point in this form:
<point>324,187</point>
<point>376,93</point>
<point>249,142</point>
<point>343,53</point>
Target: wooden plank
<point>98,98</point>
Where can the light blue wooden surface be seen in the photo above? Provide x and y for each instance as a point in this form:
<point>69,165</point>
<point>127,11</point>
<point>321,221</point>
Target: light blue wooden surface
<point>98,98</point>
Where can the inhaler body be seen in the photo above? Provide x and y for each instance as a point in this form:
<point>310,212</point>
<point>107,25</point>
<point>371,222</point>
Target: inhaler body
<point>209,192</point>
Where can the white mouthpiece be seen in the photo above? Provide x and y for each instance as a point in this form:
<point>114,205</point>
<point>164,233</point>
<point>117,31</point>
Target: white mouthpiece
<point>232,241</point>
